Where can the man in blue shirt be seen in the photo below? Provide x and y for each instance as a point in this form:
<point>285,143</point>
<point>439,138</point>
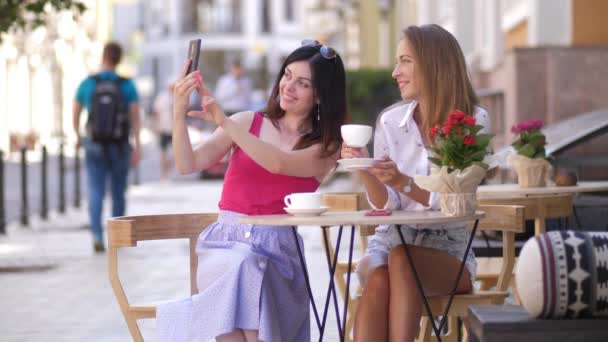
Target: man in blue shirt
<point>108,158</point>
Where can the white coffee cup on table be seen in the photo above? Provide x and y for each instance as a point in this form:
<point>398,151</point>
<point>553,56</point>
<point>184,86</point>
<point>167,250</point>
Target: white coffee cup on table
<point>303,200</point>
<point>356,135</point>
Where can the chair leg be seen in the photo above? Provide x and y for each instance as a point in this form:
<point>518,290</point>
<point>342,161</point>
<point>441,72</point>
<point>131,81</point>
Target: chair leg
<point>134,329</point>
<point>515,293</point>
<point>350,321</point>
<point>465,334</point>
<point>452,333</point>
<point>425,330</point>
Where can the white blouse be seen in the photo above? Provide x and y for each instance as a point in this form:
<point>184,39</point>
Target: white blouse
<point>397,136</point>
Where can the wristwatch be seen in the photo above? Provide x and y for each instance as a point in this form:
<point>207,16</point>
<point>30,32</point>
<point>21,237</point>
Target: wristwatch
<point>407,188</point>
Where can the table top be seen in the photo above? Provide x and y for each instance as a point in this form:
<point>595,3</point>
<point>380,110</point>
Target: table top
<point>359,218</point>
<point>484,191</point>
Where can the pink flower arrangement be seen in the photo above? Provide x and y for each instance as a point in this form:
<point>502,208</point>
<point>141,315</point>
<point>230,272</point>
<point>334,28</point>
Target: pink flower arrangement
<point>527,126</point>
<point>529,140</point>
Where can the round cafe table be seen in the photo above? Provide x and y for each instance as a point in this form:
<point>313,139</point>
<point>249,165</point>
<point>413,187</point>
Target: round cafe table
<point>353,219</point>
<point>534,199</point>
<point>499,190</point>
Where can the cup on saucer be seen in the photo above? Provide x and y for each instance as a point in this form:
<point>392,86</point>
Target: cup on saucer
<point>356,135</point>
<point>303,200</point>
<point>304,203</point>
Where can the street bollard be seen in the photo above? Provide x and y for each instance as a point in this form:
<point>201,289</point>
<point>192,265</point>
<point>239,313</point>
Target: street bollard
<point>44,208</point>
<point>136,175</point>
<point>2,219</point>
<point>77,178</point>
<point>24,205</point>
<point>61,180</point>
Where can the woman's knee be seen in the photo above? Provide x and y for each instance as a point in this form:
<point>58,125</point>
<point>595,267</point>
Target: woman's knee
<point>377,284</point>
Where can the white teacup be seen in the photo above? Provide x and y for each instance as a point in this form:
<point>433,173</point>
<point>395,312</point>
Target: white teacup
<point>356,135</point>
<point>303,200</point>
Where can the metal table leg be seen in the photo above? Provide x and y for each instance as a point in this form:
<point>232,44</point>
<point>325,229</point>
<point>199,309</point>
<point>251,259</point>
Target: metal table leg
<point>331,290</point>
<point>436,329</point>
<point>303,264</point>
<point>347,292</point>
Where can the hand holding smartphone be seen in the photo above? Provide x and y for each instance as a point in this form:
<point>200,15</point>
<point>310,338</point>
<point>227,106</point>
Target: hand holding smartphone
<point>194,50</point>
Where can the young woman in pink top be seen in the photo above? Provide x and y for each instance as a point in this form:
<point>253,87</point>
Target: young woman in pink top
<point>249,280</point>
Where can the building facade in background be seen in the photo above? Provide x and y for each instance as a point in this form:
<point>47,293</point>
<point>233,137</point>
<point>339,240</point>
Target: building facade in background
<point>534,59</point>
<point>259,33</point>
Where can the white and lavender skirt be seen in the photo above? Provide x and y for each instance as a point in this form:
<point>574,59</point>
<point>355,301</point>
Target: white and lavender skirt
<point>249,277</point>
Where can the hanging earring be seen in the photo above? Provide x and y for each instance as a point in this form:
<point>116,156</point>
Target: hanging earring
<point>318,113</point>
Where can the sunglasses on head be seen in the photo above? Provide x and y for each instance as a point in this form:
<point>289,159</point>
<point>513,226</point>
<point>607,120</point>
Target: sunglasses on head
<point>326,51</point>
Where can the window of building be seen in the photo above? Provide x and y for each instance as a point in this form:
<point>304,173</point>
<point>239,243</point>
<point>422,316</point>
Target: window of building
<point>218,16</point>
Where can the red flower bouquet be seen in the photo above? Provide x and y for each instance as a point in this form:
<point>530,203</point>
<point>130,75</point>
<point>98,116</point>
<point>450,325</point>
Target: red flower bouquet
<point>458,165</point>
<point>458,142</point>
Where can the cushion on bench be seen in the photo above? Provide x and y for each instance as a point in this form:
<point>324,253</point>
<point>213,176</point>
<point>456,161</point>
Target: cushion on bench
<point>564,274</point>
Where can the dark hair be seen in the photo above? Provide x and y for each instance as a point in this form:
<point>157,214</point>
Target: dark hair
<point>112,53</point>
<point>328,79</point>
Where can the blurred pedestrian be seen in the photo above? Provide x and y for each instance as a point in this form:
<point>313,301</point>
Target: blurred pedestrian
<point>163,114</point>
<point>233,90</point>
<point>113,117</point>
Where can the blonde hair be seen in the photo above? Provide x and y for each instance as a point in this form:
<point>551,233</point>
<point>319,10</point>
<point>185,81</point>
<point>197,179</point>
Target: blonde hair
<point>445,84</point>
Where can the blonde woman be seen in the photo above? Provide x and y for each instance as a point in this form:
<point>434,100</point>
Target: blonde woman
<point>431,74</point>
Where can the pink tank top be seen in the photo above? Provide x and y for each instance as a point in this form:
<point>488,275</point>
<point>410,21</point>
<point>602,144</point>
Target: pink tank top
<point>252,190</point>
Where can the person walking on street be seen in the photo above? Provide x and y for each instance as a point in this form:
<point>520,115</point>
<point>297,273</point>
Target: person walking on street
<point>233,91</point>
<point>113,116</point>
<point>163,113</point>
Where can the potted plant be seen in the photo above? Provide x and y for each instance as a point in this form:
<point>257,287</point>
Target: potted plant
<point>529,161</point>
<point>457,163</point>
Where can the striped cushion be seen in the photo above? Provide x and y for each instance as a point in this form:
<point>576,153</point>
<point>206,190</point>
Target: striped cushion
<point>564,274</point>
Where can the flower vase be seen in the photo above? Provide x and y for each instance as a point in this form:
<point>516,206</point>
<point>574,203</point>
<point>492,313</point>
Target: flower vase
<point>531,172</point>
<point>458,204</point>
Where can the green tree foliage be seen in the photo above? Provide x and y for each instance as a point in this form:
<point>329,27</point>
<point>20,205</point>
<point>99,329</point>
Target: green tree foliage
<point>368,92</point>
<point>16,15</point>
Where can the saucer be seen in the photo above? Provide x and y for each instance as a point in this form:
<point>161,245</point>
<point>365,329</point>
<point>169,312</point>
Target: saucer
<point>306,212</point>
<point>356,163</point>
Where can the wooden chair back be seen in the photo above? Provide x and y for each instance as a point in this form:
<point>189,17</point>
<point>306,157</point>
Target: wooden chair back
<point>127,231</point>
<point>538,208</point>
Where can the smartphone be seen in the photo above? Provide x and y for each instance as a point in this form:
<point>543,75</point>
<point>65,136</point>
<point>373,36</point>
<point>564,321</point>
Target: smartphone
<point>378,212</point>
<point>194,51</point>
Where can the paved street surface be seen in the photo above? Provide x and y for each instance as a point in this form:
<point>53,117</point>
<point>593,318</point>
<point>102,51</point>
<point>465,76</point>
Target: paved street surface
<point>54,288</point>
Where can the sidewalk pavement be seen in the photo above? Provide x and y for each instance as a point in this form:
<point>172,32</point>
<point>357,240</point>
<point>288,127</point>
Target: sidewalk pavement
<point>54,288</point>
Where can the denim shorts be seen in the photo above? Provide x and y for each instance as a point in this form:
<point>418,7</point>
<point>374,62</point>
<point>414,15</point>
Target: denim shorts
<point>452,240</point>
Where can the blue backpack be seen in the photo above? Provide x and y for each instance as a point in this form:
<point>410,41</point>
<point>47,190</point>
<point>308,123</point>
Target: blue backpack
<point>108,120</point>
